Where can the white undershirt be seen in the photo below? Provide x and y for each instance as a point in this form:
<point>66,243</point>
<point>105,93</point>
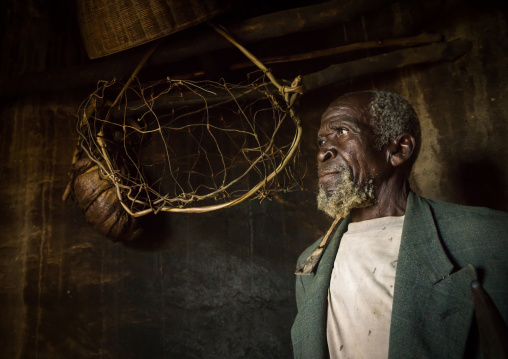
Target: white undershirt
<point>360,297</point>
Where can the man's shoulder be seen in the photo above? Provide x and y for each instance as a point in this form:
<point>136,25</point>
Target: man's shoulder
<point>467,218</point>
<point>466,228</point>
<point>462,208</point>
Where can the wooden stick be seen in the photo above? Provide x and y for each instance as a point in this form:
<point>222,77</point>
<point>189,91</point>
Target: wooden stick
<point>135,73</point>
<point>341,72</point>
<point>247,53</point>
<point>421,39</point>
<point>310,263</point>
<point>492,329</point>
<point>390,61</point>
<point>307,18</point>
<point>191,43</point>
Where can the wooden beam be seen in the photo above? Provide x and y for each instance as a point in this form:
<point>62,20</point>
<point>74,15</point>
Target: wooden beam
<point>438,52</point>
<point>446,51</point>
<point>421,39</point>
<point>307,18</point>
<point>192,42</point>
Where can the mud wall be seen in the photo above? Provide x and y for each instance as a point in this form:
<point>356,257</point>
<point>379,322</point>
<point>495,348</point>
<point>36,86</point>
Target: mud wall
<point>216,285</point>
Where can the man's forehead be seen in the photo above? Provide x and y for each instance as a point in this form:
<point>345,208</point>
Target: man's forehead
<point>353,105</point>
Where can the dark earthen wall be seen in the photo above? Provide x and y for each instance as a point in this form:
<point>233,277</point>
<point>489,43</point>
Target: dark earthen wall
<point>216,285</point>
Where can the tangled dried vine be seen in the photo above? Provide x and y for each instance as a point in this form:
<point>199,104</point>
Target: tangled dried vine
<point>184,146</point>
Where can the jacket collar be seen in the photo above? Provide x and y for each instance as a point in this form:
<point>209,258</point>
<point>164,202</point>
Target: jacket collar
<point>420,240</point>
<point>432,307</point>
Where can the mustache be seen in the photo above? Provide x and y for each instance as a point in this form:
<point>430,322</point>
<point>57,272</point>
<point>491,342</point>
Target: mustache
<point>331,168</point>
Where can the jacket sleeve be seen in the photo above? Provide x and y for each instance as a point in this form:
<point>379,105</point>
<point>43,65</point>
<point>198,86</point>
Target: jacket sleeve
<point>302,280</point>
<point>299,292</point>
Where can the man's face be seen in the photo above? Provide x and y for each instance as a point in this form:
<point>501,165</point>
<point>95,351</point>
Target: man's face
<point>349,167</point>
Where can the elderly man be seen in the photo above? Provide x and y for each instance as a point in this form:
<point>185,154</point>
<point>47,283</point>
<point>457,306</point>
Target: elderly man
<point>394,278</point>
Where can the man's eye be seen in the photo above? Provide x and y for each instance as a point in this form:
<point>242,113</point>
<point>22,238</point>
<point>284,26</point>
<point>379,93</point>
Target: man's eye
<point>342,131</point>
<point>320,142</point>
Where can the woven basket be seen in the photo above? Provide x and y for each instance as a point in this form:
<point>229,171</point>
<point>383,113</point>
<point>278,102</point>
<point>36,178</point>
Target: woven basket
<point>110,26</point>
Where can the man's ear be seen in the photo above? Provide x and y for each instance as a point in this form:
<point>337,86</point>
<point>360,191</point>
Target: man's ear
<point>401,149</point>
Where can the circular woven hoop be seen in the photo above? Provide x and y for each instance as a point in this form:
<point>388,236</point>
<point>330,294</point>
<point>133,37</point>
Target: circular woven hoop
<point>108,27</point>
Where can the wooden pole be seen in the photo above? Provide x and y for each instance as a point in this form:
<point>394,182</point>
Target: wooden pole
<point>422,39</point>
<point>189,43</point>
<point>438,52</point>
<point>446,51</point>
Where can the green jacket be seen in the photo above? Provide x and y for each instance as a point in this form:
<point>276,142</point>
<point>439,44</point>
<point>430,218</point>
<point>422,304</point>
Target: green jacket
<point>443,248</point>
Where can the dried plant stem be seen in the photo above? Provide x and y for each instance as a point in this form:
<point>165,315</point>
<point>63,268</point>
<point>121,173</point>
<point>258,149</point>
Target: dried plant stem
<point>257,150</point>
<point>67,191</point>
<point>294,146</point>
<point>138,68</point>
<point>250,56</point>
<point>309,264</point>
<point>86,115</point>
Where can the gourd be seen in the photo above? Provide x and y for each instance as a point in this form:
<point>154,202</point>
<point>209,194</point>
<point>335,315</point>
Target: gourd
<point>96,197</point>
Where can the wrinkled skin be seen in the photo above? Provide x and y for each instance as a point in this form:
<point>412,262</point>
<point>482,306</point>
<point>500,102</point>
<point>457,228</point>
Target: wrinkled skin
<point>346,138</point>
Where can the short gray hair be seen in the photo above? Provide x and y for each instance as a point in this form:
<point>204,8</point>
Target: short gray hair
<point>392,115</point>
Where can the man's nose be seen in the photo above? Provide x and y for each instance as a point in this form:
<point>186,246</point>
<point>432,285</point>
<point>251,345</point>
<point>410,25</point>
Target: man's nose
<point>326,153</point>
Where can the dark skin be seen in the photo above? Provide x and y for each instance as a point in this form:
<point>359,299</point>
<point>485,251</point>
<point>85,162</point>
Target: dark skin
<point>346,137</point>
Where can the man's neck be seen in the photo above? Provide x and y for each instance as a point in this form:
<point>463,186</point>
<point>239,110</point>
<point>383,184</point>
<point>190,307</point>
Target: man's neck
<point>391,200</point>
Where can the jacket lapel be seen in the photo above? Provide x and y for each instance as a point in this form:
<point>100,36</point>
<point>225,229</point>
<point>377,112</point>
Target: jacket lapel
<point>432,308</point>
<point>309,329</point>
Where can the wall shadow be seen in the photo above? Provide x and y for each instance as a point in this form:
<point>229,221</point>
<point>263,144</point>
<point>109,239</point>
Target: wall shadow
<point>479,183</point>
<point>155,229</point>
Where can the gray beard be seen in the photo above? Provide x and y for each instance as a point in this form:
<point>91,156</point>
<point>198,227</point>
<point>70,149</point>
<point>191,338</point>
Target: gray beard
<point>346,195</point>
